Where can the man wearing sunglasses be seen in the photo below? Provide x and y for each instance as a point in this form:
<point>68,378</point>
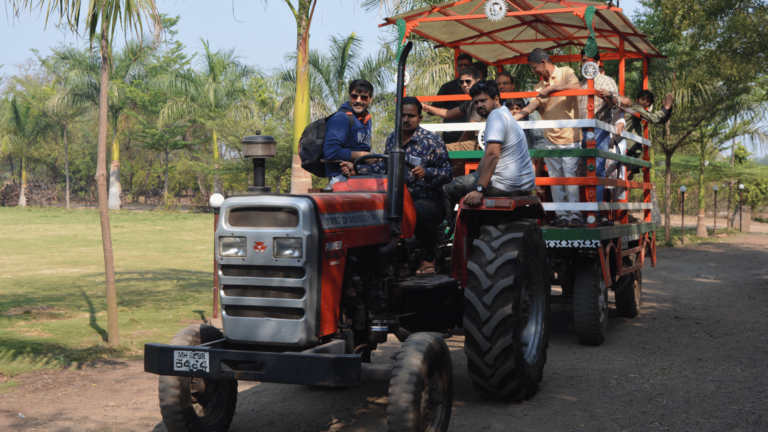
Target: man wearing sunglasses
<point>453,87</point>
<point>348,132</point>
<point>465,112</point>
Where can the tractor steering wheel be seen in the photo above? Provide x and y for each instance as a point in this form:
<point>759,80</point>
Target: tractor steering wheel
<point>377,156</point>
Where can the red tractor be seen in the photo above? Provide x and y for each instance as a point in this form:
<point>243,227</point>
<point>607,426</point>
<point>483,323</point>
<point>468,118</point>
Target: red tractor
<point>311,284</point>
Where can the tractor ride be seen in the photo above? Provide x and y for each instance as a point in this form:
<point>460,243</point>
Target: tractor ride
<point>311,284</point>
<point>587,261</point>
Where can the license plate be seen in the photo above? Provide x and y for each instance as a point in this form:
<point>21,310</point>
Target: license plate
<point>191,361</point>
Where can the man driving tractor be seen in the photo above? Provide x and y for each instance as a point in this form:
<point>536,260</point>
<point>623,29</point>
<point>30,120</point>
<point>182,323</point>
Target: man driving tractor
<point>432,169</point>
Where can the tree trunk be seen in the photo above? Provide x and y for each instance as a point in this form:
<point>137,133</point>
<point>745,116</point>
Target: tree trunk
<point>165,185</point>
<point>115,188</point>
<point>23,192</point>
<point>66,166</point>
<point>216,180</point>
<point>701,222</point>
<point>667,195</point>
<point>301,181</point>
<point>10,160</point>
<point>113,336</point>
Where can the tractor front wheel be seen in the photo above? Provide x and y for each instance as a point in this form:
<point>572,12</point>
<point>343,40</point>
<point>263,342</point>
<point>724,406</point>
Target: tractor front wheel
<point>506,310</point>
<point>421,387</point>
<point>197,404</point>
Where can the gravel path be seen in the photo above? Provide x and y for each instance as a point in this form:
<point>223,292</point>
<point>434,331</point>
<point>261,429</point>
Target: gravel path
<point>695,359</point>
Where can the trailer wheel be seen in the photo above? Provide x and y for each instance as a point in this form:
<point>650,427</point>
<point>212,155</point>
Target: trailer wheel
<point>197,404</point>
<point>506,310</point>
<point>629,291</point>
<point>421,387</point>
<point>590,304</point>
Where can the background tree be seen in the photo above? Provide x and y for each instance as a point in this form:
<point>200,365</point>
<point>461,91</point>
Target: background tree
<point>100,20</point>
<point>217,90</point>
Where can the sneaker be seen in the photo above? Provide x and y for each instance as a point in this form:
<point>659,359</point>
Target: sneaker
<point>604,221</point>
<point>575,223</point>
<point>562,223</point>
<point>632,219</point>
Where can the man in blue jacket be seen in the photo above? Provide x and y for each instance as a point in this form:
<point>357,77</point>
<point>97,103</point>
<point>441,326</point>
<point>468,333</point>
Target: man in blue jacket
<point>348,132</point>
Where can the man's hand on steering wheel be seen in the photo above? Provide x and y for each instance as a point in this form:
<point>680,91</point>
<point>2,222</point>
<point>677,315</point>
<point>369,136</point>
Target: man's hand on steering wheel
<point>347,169</point>
<point>419,172</point>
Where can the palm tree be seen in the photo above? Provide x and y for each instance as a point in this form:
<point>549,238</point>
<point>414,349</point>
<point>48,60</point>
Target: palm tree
<point>217,90</point>
<point>81,70</point>
<point>331,73</point>
<point>23,128</point>
<point>101,18</point>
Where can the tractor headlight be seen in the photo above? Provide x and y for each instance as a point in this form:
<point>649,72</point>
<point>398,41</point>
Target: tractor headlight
<point>288,247</point>
<point>233,246</point>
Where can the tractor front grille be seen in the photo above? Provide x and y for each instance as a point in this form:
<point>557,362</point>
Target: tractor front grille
<point>263,271</point>
<point>263,217</point>
<point>264,312</point>
<point>278,292</point>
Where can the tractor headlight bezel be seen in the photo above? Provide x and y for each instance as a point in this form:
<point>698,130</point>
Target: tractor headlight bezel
<point>288,247</point>
<point>234,246</point>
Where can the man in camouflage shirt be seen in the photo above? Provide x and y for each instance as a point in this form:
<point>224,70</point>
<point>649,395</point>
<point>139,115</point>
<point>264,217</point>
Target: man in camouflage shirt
<point>432,169</point>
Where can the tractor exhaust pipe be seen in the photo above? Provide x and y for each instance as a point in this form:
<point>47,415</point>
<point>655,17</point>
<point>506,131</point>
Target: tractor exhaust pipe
<point>396,161</point>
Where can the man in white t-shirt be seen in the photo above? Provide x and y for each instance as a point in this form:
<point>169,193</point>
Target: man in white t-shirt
<point>506,168</point>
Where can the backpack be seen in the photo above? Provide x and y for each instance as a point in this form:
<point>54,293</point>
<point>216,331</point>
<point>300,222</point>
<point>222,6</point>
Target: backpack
<point>312,141</point>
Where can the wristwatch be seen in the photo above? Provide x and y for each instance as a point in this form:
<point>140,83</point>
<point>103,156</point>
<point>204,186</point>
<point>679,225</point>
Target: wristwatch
<point>481,189</point>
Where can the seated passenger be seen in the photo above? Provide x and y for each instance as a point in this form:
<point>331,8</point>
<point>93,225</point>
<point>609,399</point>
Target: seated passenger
<point>506,168</point>
<point>464,112</point>
<point>348,132</point>
<point>433,169</point>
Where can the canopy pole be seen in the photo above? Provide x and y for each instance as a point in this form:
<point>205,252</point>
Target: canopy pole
<point>591,192</point>
<point>456,54</point>
<point>622,66</point>
<point>646,149</point>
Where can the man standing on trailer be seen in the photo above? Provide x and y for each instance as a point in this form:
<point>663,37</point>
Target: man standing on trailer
<point>464,111</point>
<point>555,79</point>
<point>603,109</point>
<point>432,169</point>
<point>506,168</point>
<point>453,88</point>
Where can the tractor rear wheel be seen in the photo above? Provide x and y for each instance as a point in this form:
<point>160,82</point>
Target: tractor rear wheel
<point>590,304</point>
<point>506,310</point>
<point>629,291</point>
<point>421,387</point>
<point>197,404</point>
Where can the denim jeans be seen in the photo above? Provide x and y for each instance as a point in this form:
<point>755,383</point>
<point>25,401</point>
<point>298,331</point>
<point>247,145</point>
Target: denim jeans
<point>602,142</point>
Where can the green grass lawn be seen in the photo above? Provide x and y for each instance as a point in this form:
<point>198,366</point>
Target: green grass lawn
<point>690,236</point>
<point>52,293</point>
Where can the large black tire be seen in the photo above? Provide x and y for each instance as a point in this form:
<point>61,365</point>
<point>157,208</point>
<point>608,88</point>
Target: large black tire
<point>421,387</point>
<point>590,304</point>
<point>195,404</point>
<point>506,310</point>
<point>629,290</point>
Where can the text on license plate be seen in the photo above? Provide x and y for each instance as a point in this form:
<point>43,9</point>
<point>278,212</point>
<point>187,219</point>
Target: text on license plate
<point>190,361</point>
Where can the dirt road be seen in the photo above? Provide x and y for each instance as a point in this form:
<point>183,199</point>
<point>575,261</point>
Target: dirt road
<point>694,360</point>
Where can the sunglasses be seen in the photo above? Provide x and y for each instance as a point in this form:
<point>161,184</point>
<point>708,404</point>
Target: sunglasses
<point>467,82</point>
<point>363,98</point>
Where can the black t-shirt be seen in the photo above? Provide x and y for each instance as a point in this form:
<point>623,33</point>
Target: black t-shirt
<point>450,88</point>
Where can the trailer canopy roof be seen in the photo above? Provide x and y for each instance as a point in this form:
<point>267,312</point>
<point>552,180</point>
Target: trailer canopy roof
<point>528,24</point>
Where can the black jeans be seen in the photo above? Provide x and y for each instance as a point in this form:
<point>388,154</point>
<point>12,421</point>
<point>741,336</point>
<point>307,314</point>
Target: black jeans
<point>429,215</point>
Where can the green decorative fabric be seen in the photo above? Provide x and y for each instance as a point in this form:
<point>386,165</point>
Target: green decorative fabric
<point>591,47</point>
<point>401,32</point>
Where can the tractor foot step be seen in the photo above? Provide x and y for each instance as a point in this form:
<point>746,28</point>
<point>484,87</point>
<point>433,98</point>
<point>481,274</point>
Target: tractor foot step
<point>421,282</point>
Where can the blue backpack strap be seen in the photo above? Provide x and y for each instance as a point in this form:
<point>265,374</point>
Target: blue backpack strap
<point>350,115</point>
